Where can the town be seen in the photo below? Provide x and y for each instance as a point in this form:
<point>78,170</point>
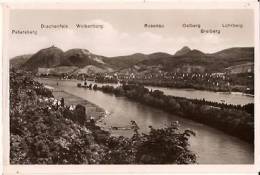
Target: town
<point>235,78</point>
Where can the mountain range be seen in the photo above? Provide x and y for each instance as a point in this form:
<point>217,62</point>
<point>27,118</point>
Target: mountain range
<point>84,61</point>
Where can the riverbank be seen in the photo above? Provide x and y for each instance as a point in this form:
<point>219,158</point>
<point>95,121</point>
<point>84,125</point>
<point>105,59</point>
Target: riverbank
<point>234,120</point>
<point>219,97</point>
<point>92,111</point>
<point>212,86</point>
<point>240,90</point>
<point>211,145</point>
<point>44,131</point>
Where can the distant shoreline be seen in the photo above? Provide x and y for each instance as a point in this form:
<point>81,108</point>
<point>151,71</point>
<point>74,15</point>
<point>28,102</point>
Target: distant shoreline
<point>151,86</point>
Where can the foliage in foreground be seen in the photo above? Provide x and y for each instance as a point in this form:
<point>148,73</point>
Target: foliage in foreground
<point>160,146</point>
<point>42,133</point>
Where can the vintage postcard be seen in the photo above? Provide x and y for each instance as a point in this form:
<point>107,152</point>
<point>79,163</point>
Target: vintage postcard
<point>131,87</point>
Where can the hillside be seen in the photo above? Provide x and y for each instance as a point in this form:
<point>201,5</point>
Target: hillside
<point>81,58</point>
<point>45,132</point>
<point>45,58</point>
<point>19,60</point>
<point>91,69</point>
<point>235,56</point>
<point>184,60</point>
<point>183,51</point>
<point>120,62</point>
<point>216,62</point>
<point>54,57</point>
<point>242,52</point>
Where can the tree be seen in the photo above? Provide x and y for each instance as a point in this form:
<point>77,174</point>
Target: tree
<point>165,146</point>
<point>80,113</point>
<point>160,146</point>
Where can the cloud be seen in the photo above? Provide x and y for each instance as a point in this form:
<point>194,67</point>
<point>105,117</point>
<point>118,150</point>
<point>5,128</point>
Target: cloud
<point>20,44</point>
<point>109,41</point>
<point>212,39</point>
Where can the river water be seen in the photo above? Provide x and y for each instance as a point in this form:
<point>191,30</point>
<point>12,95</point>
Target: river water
<point>220,97</point>
<point>210,145</point>
<point>234,98</point>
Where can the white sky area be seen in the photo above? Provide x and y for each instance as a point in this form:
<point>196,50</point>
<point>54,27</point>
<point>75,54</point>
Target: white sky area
<point>124,31</point>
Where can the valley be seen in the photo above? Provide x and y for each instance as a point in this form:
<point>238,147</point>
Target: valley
<point>229,70</point>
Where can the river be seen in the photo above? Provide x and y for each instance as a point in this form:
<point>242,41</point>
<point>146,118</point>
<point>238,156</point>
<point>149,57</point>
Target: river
<point>210,145</point>
<point>234,98</point>
<point>225,97</point>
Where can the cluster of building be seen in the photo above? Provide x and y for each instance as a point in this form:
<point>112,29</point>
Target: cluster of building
<point>157,75</point>
<point>213,78</point>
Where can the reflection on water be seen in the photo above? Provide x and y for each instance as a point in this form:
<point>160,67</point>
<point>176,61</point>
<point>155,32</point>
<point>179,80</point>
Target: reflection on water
<point>229,98</point>
<point>220,97</point>
<point>211,146</point>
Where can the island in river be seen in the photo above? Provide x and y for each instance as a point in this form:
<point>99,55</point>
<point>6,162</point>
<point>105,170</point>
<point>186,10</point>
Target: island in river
<point>45,130</point>
<point>212,146</point>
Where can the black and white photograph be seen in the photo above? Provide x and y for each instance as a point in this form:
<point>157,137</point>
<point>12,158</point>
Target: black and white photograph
<point>131,86</point>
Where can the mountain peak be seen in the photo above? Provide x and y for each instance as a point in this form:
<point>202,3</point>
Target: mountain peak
<point>50,48</point>
<point>182,51</point>
<point>48,57</point>
<point>80,50</point>
<point>196,53</point>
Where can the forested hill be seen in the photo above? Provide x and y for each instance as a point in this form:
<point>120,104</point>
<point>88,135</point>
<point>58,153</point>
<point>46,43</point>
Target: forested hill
<point>195,59</point>
<point>213,62</point>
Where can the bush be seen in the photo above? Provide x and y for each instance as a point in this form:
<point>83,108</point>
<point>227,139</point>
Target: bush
<point>40,133</point>
<point>161,146</point>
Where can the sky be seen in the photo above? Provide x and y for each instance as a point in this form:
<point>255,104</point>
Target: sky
<point>124,32</point>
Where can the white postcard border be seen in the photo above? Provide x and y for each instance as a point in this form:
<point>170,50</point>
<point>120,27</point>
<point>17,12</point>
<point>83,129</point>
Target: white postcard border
<point>57,169</point>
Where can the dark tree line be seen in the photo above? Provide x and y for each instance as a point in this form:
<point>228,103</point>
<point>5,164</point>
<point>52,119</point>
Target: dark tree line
<point>233,119</point>
<point>43,133</point>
